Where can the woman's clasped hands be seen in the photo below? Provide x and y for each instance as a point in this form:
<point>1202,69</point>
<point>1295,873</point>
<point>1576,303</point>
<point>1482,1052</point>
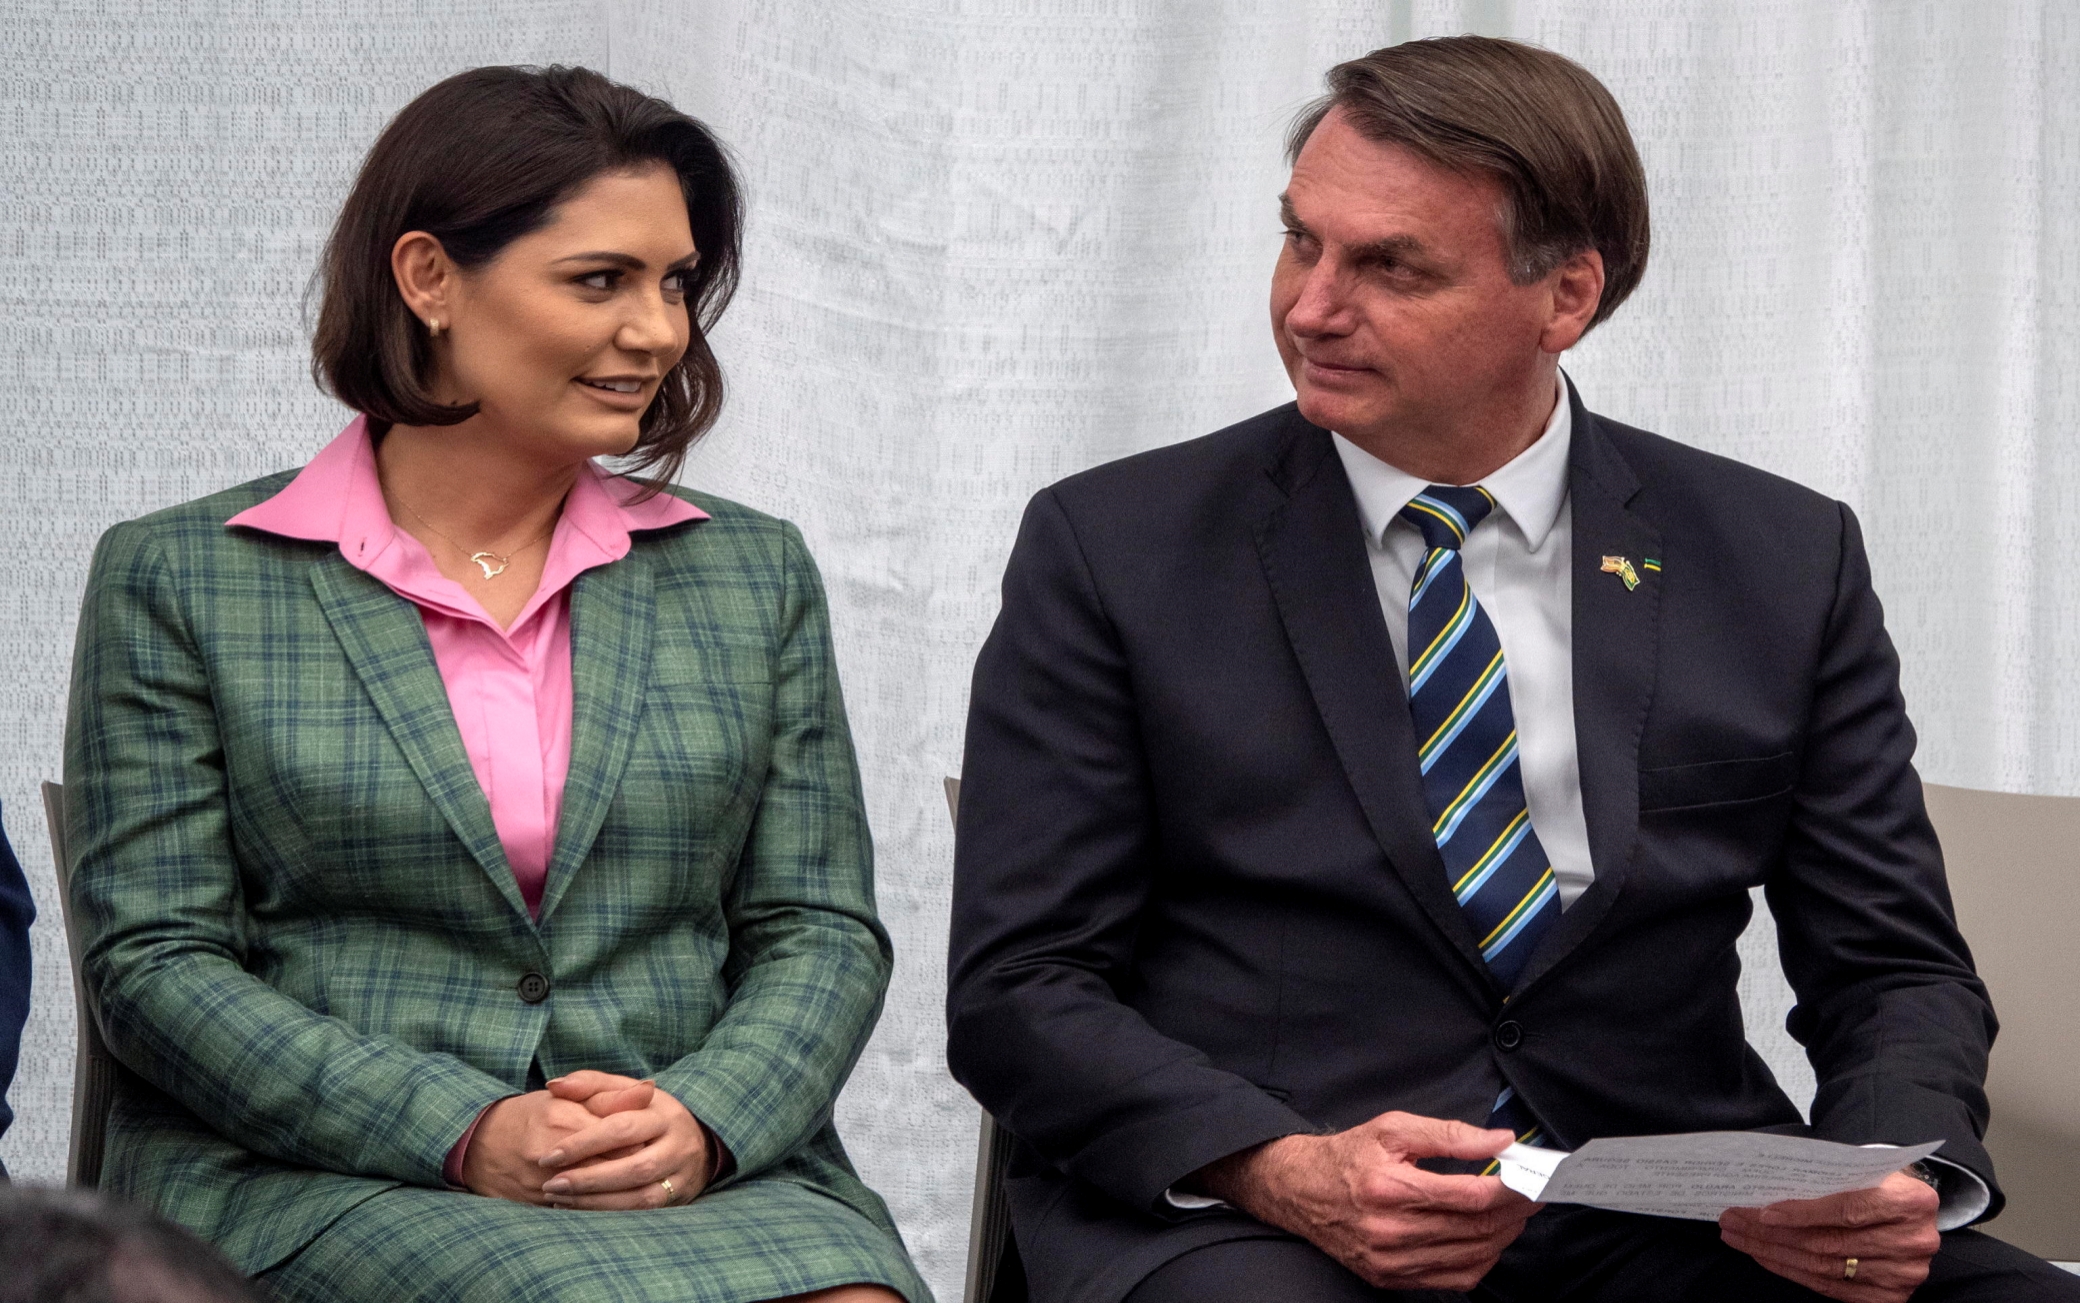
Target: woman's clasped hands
<point>591,1140</point>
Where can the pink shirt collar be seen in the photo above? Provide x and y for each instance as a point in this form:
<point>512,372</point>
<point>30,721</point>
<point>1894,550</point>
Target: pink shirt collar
<point>337,498</point>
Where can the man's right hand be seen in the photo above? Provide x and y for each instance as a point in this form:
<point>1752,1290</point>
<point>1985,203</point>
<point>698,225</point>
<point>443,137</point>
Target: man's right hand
<point>1359,1197</point>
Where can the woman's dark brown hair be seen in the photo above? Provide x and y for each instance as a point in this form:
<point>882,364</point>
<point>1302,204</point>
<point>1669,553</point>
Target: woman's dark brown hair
<point>1537,122</point>
<point>478,161</point>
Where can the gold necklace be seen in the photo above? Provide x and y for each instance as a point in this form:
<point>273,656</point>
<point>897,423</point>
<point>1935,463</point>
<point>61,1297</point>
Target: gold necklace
<point>484,558</point>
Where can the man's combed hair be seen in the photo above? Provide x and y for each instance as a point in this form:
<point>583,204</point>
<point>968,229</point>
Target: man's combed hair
<point>1539,123</point>
<point>478,161</point>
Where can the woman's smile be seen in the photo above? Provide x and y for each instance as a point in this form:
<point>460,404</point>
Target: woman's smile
<point>622,393</point>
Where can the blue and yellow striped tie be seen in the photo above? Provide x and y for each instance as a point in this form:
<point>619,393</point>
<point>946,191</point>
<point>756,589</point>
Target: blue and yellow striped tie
<point>1466,742</point>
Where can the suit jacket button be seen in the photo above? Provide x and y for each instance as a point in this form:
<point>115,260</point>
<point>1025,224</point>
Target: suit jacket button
<point>534,988</point>
<point>1509,1034</point>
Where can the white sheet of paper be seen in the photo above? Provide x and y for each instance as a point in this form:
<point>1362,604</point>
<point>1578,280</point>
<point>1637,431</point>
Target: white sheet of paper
<point>1702,1174</point>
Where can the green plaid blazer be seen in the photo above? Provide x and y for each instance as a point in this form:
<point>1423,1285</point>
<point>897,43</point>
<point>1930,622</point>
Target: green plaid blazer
<point>301,933</point>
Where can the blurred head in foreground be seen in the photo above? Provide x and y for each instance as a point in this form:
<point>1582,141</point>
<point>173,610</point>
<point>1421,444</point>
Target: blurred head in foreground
<point>69,1246</point>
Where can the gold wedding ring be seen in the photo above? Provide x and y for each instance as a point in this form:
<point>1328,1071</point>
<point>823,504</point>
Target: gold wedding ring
<point>1848,1269</point>
<point>671,1194</point>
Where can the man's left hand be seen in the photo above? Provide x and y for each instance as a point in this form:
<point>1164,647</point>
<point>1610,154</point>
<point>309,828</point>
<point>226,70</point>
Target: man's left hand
<point>1890,1231</point>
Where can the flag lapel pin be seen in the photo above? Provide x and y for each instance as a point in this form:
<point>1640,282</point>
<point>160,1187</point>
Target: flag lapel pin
<point>1622,568</point>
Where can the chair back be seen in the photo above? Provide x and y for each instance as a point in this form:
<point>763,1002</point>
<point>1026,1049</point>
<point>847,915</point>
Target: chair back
<point>94,1069</point>
<point>995,1274</point>
<point>2014,869</point>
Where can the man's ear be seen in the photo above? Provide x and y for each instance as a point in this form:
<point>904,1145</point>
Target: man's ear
<point>1576,288</point>
<point>425,277</point>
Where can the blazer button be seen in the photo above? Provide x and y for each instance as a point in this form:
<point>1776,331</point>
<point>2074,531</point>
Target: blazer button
<point>1509,1034</point>
<point>534,988</point>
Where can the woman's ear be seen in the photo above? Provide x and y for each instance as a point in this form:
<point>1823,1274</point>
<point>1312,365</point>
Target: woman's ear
<point>425,278</point>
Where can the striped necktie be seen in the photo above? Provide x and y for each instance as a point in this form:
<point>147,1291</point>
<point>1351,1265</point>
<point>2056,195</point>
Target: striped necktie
<point>1466,736</point>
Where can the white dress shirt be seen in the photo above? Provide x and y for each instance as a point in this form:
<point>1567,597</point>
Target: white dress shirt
<point>1518,562</point>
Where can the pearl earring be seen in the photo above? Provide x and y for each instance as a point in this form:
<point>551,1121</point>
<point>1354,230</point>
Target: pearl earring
<point>433,327</point>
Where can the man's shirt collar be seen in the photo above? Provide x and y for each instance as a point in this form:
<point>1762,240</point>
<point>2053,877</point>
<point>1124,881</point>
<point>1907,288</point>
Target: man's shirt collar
<point>1530,488</point>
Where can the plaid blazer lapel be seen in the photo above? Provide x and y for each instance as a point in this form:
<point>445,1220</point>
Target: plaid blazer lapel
<point>385,641</point>
<point>613,609</point>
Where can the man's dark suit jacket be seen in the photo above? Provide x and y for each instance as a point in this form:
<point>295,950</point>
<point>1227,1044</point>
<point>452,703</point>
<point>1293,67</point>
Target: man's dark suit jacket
<point>1197,904</point>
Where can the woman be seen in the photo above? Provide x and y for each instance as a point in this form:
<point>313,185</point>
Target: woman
<point>469,840</point>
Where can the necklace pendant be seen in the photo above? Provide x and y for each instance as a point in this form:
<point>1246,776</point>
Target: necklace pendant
<point>484,560</point>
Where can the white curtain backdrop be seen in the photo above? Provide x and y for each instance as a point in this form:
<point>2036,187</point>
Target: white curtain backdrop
<point>993,242</point>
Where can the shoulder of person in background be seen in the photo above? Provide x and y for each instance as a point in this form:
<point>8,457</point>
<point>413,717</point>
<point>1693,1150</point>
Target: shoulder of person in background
<point>17,912</point>
<point>73,1244</point>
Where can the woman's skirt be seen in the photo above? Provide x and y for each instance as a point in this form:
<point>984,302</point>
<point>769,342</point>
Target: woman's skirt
<point>760,1239</point>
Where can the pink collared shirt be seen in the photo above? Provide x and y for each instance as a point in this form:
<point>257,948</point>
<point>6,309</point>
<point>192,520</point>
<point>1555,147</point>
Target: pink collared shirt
<point>510,688</point>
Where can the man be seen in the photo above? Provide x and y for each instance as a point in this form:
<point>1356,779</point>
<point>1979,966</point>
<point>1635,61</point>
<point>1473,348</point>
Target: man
<point>1384,776</point>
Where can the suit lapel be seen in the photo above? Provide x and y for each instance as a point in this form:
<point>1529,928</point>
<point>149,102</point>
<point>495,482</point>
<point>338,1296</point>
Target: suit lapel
<point>612,611</point>
<point>1312,545</point>
<point>1616,635</point>
<point>385,641</point>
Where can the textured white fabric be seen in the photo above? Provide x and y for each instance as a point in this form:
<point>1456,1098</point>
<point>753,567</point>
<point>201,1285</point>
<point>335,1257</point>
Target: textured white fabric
<point>1517,565</point>
<point>996,241</point>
